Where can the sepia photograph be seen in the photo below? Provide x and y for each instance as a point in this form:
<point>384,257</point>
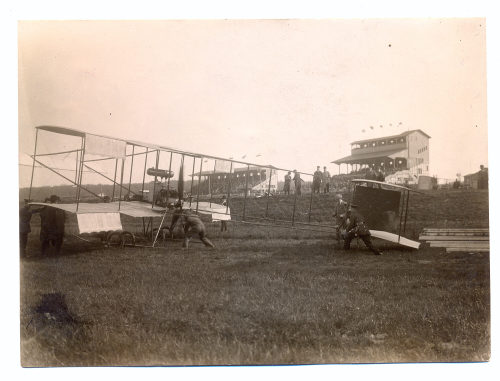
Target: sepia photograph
<point>217,192</point>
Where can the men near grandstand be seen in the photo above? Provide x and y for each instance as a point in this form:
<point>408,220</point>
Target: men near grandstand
<point>298,182</point>
<point>357,228</point>
<point>380,175</point>
<point>326,180</point>
<point>190,222</point>
<point>317,179</point>
<point>371,175</point>
<point>340,215</point>
<point>288,181</point>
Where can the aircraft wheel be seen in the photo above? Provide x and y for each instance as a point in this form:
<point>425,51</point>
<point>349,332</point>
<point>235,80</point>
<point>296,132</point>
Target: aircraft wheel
<point>127,238</point>
<point>164,233</point>
<point>114,238</point>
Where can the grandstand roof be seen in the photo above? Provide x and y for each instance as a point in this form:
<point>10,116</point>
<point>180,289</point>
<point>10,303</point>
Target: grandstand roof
<point>367,156</point>
<point>391,136</point>
<point>235,170</point>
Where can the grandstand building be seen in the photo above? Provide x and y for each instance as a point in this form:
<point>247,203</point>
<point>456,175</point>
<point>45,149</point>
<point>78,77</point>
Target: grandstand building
<point>406,155</point>
<point>252,179</point>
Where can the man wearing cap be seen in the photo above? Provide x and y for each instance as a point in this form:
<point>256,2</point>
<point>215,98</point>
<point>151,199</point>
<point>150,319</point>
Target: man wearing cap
<point>357,228</point>
<point>190,222</point>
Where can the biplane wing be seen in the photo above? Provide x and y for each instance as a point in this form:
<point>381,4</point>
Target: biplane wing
<point>98,217</point>
<point>395,238</point>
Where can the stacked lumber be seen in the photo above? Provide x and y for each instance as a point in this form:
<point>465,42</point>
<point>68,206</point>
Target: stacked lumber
<point>472,240</point>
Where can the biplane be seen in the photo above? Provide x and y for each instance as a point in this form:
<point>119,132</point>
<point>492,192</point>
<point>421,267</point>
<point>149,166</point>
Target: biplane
<point>221,189</point>
<point>217,188</point>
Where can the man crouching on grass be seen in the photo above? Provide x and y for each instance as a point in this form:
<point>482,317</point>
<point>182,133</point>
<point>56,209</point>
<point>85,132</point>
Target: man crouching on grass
<point>190,222</point>
<point>358,228</point>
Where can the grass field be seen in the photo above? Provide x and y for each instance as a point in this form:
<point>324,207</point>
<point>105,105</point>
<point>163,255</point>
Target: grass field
<point>264,296</point>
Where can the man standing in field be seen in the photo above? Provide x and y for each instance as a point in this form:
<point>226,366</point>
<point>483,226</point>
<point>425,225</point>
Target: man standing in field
<point>317,179</point>
<point>288,181</point>
<point>25,214</point>
<point>298,182</point>
<point>357,228</point>
<point>52,226</point>
<point>326,180</point>
<point>190,222</point>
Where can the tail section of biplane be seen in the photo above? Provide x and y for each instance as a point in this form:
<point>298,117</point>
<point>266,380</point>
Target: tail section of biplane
<point>385,209</point>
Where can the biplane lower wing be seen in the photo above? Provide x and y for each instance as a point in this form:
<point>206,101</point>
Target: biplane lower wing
<point>98,222</point>
<point>218,212</point>
<point>391,237</point>
<point>128,208</point>
<point>98,217</point>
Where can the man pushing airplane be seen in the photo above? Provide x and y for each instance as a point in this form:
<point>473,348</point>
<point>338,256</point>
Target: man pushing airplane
<point>190,222</point>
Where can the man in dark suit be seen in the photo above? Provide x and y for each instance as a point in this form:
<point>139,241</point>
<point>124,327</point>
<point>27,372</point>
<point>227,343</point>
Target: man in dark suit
<point>357,228</point>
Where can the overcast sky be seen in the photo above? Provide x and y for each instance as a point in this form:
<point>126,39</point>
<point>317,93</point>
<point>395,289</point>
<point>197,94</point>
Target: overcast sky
<point>295,92</point>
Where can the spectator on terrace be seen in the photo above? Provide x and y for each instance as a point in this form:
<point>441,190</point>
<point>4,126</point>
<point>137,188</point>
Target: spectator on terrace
<point>380,175</point>
<point>371,175</point>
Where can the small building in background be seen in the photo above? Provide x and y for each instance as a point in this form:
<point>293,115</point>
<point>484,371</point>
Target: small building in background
<point>477,180</point>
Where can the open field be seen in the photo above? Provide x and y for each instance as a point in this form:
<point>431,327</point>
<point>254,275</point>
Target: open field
<point>264,296</point>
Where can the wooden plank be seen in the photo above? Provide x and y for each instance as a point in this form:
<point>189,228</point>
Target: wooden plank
<point>459,244</point>
<point>457,230</point>
<point>460,249</point>
<point>452,238</point>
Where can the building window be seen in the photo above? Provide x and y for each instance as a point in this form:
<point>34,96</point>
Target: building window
<point>419,171</point>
